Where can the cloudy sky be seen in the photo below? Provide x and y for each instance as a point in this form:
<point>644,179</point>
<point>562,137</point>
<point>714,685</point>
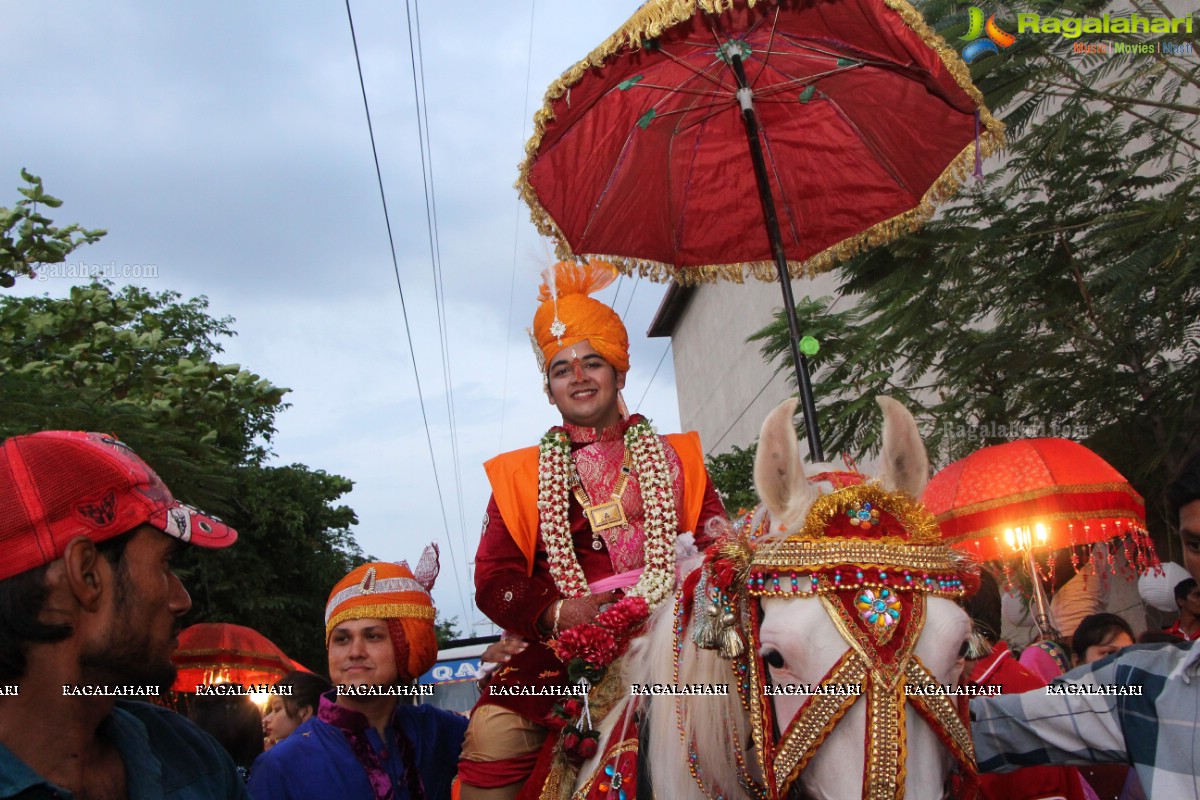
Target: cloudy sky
<point>225,144</point>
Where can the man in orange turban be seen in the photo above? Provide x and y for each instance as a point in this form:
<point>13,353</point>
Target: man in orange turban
<point>572,525</point>
<point>363,742</point>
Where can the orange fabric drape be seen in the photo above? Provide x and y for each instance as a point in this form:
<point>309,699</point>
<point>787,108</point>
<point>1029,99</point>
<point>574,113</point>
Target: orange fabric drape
<point>514,479</point>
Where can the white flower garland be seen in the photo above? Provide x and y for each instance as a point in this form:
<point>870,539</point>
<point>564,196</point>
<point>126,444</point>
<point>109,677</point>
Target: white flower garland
<point>554,492</point>
<point>555,469</point>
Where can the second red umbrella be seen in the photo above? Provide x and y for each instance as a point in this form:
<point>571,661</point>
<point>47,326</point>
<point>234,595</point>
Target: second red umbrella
<point>1007,500</point>
<point>221,652</point>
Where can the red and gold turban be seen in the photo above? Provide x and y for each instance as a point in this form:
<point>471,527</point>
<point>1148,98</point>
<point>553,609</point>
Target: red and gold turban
<point>567,315</point>
<point>390,592</point>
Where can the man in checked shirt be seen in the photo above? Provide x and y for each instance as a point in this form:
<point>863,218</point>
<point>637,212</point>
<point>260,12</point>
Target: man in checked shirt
<point>1156,732</point>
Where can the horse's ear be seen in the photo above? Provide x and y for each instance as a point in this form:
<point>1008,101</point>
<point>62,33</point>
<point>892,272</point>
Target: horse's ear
<point>904,465</point>
<point>778,474</point>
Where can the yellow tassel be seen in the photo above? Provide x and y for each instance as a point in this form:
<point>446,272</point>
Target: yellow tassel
<point>732,645</point>
<point>705,632</point>
<point>739,551</point>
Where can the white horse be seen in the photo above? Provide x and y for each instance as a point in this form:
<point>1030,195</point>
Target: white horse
<point>782,612</point>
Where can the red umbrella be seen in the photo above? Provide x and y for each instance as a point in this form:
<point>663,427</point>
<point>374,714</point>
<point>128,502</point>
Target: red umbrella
<point>837,124</point>
<point>1006,500</point>
<point>1074,494</point>
<point>220,652</point>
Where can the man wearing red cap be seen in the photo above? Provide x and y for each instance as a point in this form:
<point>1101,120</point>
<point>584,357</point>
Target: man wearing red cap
<point>89,609</point>
<point>367,741</point>
<point>592,513</point>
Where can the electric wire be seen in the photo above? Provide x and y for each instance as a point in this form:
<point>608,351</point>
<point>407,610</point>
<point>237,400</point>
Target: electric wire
<point>416,56</point>
<point>512,288</point>
<point>655,375</point>
<point>739,416</point>
<point>617,290</point>
<point>631,294</point>
<point>660,363</point>
<point>403,305</point>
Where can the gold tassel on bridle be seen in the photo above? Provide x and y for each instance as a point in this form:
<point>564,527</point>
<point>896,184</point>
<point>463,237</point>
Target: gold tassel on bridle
<point>732,645</point>
<point>716,608</point>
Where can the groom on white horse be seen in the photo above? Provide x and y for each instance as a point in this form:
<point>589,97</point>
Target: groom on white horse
<point>572,525</point>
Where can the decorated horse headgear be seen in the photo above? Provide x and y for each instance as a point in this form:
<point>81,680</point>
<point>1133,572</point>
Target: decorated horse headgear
<point>872,557</point>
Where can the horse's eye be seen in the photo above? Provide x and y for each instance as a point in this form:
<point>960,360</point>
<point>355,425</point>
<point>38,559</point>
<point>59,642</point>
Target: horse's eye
<point>964,649</point>
<point>774,659</point>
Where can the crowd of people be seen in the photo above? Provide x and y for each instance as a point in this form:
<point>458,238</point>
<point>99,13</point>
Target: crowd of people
<point>90,606</point>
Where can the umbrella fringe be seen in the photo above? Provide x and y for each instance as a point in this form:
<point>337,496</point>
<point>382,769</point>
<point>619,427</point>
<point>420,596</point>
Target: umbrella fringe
<point>954,64</point>
<point>881,233</point>
<point>650,21</point>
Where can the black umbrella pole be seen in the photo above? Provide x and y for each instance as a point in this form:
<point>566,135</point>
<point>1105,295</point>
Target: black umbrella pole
<point>785,281</point>
<point>801,361</point>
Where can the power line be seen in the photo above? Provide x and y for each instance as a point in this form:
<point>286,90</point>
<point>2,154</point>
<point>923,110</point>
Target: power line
<point>416,56</point>
<point>617,291</point>
<point>403,305</point>
<point>512,287</point>
<point>631,294</point>
<point>739,416</point>
<point>657,368</point>
<point>655,375</point>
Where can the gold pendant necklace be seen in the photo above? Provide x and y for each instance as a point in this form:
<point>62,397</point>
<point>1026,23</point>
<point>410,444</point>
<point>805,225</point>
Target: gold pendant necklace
<point>608,514</point>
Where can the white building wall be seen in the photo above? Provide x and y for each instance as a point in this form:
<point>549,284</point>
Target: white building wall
<point>725,387</point>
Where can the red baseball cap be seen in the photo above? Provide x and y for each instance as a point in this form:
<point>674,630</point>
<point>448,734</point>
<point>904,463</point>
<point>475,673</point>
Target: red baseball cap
<point>56,485</point>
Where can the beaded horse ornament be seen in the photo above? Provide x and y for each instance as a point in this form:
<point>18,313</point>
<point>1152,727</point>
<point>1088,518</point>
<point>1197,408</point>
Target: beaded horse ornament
<point>872,557</point>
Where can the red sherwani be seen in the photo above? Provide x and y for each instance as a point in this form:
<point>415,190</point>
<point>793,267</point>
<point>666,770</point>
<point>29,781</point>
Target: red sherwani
<point>514,596</point>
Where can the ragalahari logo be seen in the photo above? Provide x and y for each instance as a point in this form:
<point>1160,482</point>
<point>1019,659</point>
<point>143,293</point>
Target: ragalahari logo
<point>996,38</point>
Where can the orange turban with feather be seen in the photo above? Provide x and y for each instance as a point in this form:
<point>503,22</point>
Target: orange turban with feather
<point>567,315</point>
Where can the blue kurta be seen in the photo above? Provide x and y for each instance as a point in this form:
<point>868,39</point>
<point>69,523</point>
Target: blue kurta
<point>316,762</point>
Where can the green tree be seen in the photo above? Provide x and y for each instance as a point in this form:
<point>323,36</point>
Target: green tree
<point>29,239</point>
<point>732,474</point>
<point>131,346</point>
<point>293,545</point>
<point>1059,296</point>
<point>447,629</point>
<point>146,368</point>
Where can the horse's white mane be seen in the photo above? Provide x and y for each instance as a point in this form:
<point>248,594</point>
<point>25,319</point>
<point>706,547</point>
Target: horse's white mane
<point>700,716</point>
